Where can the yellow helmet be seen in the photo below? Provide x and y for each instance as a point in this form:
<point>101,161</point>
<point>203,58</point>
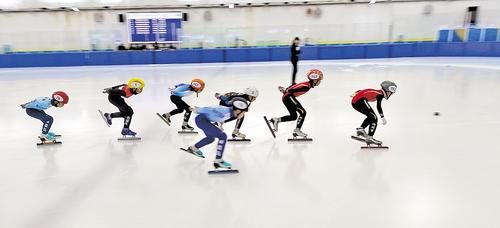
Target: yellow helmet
<point>136,83</point>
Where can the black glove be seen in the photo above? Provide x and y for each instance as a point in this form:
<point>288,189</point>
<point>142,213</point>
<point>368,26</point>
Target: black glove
<point>106,90</point>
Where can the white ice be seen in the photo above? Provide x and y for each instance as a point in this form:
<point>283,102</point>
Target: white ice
<point>440,171</point>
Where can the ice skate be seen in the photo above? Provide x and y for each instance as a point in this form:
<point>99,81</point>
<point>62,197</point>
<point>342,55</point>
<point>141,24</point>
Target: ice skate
<point>361,132</point>
<point>370,142</point>
<point>238,136</point>
<point>128,135</point>
<point>165,117</point>
<point>193,150</point>
<point>298,135</point>
<point>275,122</point>
<point>109,120</point>
<point>221,167</point>
<point>187,129</point>
<point>49,138</point>
<point>268,123</point>
<point>106,117</point>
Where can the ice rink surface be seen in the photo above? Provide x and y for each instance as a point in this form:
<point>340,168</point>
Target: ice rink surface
<point>440,171</point>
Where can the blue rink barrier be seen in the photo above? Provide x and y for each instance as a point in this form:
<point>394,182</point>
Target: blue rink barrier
<point>358,51</point>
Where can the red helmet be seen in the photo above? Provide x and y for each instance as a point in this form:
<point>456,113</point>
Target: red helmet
<point>61,97</point>
<point>315,74</point>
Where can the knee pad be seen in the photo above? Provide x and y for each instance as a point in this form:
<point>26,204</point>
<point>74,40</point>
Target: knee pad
<point>222,136</point>
<point>49,118</point>
<point>129,111</point>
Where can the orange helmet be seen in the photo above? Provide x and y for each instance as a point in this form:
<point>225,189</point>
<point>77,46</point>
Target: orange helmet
<point>315,74</point>
<point>198,85</point>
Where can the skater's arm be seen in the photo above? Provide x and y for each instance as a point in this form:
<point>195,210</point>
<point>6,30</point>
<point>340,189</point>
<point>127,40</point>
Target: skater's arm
<point>106,90</point>
<point>39,103</point>
<point>229,96</point>
<point>379,105</point>
<point>182,90</point>
<point>300,89</point>
<point>116,91</point>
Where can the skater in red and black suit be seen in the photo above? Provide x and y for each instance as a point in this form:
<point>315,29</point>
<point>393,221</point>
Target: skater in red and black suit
<point>289,98</point>
<point>360,103</point>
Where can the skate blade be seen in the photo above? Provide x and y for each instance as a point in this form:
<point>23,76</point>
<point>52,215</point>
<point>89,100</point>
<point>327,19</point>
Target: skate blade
<point>48,143</point>
<point>162,118</point>
<point>358,139</point>
<point>129,138</point>
<point>103,117</point>
<point>223,171</point>
<point>269,126</point>
<point>187,132</point>
<point>54,136</point>
<point>189,152</point>
<point>238,140</point>
<point>296,139</point>
<point>371,146</point>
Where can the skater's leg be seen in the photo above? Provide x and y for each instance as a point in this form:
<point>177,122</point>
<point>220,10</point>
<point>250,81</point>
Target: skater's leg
<point>363,107</point>
<point>294,71</point>
<point>187,115</point>
<point>179,103</point>
<point>127,113</point>
<point>291,105</point>
<point>239,122</point>
<point>42,116</point>
<point>302,113</point>
<point>210,130</point>
<point>221,145</point>
<point>371,118</point>
<point>118,102</point>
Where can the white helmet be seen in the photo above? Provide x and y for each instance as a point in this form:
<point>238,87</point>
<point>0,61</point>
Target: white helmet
<point>389,88</point>
<point>251,91</point>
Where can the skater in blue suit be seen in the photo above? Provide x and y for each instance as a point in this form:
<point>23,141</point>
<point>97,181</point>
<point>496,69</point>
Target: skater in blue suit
<point>36,109</point>
<point>180,91</point>
<point>205,120</point>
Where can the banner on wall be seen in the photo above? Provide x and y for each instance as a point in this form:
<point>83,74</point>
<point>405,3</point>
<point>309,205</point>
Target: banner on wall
<point>158,27</point>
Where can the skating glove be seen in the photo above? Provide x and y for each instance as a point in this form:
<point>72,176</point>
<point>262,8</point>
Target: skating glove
<point>23,106</point>
<point>384,121</point>
<point>217,95</point>
<point>106,90</point>
<point>282,89</point>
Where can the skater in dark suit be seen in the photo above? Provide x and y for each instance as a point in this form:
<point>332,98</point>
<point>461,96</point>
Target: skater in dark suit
<point>295,52</point>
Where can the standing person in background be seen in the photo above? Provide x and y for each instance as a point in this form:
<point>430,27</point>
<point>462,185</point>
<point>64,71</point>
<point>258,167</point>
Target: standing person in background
<point>295,57</point>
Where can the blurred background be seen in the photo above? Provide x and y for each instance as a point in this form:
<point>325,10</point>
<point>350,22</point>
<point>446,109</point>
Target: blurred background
<point>72,25</point>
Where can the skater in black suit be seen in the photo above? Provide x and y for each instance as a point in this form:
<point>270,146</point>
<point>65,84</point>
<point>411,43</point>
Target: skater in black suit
<point>295,52</point>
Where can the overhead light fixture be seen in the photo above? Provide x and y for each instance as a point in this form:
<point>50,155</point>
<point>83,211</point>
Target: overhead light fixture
<point>372,1</point>
<point>231,5</point>
<point>75,9</point>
